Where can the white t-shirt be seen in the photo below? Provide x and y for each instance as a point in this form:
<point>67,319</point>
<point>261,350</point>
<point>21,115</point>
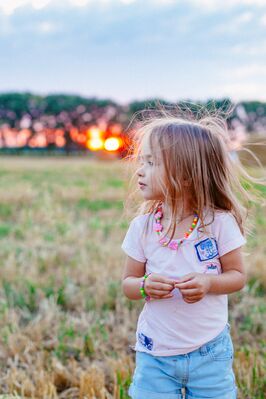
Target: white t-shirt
<point>171,326</point>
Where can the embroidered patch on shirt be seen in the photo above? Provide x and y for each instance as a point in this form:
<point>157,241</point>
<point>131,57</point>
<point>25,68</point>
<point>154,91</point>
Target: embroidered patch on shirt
<point>206,249</point>
<point>145,341</point>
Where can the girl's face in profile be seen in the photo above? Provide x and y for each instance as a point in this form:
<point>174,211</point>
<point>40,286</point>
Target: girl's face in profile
<point>150,173</point>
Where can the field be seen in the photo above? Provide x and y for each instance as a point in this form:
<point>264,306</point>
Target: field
<point>65,327</point>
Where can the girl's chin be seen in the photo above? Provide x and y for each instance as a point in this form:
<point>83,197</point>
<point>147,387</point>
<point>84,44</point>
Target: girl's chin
<point>148,197</point>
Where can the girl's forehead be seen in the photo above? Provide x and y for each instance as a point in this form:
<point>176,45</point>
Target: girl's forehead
<point>146,152</point>
<point>145,149</point>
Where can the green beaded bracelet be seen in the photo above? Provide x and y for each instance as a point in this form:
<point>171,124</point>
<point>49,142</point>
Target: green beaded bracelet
<point>142,289</point>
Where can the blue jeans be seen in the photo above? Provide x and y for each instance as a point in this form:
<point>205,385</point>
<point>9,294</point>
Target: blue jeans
<point>204,373</point>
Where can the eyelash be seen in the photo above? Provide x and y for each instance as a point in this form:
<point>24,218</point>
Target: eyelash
<point>141,162</point>
<point>150,163</point>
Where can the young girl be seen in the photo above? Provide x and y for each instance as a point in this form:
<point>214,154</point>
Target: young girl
<point>184,257</point>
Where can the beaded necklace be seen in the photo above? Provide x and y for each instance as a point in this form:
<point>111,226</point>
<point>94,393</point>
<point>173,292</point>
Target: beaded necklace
<point>174,243</point>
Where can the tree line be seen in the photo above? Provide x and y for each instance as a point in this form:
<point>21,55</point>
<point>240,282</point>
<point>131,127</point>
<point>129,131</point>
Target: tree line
<point>61,111</point>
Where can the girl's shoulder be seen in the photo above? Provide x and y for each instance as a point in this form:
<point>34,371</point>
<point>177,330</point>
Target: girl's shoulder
<point>142,222</point>
<point>221,221</point>
<point>221,216</point>
<point>226,231</point>
<point>218,216</point>
<point>141,219</point>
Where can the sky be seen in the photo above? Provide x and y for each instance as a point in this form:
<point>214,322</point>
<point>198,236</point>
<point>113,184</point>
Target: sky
<point>128,50</point>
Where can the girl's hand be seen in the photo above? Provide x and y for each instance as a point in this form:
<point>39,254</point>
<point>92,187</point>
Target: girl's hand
<point>158,287</point>
<point>193,286</point>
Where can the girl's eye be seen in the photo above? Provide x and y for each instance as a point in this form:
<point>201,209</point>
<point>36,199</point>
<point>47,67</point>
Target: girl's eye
<point>141,162</point>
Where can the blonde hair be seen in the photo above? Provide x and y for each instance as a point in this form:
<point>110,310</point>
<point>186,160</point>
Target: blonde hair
<point>197,166</point>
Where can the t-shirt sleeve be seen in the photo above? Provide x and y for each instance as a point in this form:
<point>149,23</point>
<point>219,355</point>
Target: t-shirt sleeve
<point>229,234</point>
<point>132,244</point>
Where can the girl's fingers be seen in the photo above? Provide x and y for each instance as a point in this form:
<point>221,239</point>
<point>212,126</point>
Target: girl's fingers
<point>162,287</point>
<point>156,278</point>
<point>189,292</point>
<point>187,284</point>
<point>187,301</point>
<point>195,301</point>
<point>185,278</point>
<point>162,296</point>
<point>191,298</point>
<point>154,296</point>
<point>158,292</point>
<point>168,281</point>
<point>167,296</point>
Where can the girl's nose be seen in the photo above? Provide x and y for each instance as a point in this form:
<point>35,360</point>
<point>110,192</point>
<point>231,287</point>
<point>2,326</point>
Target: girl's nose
<point>140,172</point>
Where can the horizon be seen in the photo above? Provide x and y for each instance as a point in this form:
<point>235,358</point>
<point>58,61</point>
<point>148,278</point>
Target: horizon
<point>188,100</point>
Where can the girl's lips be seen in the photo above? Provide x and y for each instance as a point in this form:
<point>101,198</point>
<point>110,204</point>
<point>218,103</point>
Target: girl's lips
<point>142,185</point>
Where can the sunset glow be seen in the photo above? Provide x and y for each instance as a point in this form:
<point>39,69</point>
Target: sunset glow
<point>95,144</point>
<point>112,144</point>
<point>94,133</point>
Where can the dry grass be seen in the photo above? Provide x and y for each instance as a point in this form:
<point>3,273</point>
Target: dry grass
<point>65,327</point>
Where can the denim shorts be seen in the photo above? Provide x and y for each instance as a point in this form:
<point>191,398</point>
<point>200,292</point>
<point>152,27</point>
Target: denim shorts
<point>201,374</point>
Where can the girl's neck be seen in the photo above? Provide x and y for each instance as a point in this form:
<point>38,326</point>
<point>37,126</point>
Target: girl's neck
<point>187,211</point>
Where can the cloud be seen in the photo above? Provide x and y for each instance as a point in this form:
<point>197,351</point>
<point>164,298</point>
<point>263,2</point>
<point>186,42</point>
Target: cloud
<point>244,18</point>
<point>8,7</point>
<point>128,1</point>
<point>6,28</point>
<point>245,82</point>
<point>248,50</point>
<point>245,91</point>
<point>217,5</point>
<point>246,71</point>
<point>47,27</point>
<point>234,24</point>
<point>263,20</point>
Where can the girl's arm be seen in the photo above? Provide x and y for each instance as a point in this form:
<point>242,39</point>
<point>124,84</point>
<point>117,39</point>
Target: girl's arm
<point>233,277</point>
<point>156,285</point>
<point>132,276</point>
<point>194,286</point>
